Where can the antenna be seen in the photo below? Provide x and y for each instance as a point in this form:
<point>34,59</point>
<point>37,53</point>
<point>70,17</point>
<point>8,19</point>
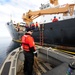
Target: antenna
<point>11,17</point>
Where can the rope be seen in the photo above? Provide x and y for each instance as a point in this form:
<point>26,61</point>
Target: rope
<point>18,41</point>
<point>47,54</point>
<point>69,52</point>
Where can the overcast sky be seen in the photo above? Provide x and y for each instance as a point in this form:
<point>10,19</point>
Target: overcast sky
<point>16,8</point>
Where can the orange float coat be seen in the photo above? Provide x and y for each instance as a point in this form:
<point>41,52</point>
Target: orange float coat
<point>36,24</point>
<point>55,20</point>
<point>28,43</point>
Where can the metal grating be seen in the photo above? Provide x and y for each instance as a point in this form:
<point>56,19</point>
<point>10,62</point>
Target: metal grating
<point>6,68</point>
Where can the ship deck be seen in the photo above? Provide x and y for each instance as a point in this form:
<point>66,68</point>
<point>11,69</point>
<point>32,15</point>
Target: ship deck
<point>40,67</point>
<point>49,62</point>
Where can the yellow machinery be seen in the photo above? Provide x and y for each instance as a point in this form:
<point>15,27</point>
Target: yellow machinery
<point>31,15</point>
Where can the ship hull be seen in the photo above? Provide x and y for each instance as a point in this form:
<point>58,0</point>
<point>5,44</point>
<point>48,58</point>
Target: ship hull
<point>13,32</point>
<point>57,33</point>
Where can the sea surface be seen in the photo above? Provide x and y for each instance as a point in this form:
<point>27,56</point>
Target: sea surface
<point>6,46</point>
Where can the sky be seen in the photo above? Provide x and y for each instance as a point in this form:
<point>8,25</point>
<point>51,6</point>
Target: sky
<point>14,9</point>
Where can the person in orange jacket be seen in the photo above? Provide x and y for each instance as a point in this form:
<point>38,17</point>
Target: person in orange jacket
<point>33,26</point>
<point>28,46</point>
<point>55,19</point>
<point>36,24</point>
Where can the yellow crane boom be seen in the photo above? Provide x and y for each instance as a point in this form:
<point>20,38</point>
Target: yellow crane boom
<point>31,15</point>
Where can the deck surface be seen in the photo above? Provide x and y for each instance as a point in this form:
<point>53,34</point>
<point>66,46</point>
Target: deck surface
<point>40,67</point>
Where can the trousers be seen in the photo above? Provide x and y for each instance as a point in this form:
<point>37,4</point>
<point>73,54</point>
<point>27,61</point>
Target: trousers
<point>28,62</point>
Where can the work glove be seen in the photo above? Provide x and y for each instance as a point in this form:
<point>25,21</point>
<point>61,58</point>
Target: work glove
<point>35,53</point>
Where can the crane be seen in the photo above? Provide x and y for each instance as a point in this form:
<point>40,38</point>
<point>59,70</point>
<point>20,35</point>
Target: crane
<point>31,15</point>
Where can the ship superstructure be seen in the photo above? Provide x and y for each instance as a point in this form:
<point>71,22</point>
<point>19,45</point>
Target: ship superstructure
<point>49,17</point>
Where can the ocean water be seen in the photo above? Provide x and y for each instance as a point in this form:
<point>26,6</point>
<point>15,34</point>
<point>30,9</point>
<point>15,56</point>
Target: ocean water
<point>4,43</point>
<point>6,46</point>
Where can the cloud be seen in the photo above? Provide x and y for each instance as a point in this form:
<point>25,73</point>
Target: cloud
<point>17,7</point>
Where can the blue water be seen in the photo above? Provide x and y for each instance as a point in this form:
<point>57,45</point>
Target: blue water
<point>6,46</point>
